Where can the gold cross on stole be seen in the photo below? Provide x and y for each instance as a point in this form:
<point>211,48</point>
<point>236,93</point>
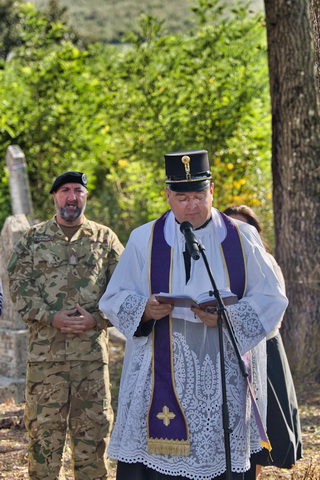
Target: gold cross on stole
<point>166,415</point>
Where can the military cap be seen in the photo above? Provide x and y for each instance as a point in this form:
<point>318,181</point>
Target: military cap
<point>188,171</point>
<point>69,177</point>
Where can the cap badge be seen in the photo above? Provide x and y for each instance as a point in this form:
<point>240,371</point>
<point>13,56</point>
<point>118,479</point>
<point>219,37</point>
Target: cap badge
<point>84,179</point>
<point>186,161</point>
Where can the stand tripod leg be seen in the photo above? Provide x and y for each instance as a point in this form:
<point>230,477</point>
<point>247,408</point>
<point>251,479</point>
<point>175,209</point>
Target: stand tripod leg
<point>225,410</point>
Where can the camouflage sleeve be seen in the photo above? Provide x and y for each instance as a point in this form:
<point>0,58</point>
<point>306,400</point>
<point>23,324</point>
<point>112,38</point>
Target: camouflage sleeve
<point>101,319</point>
<point>113,258</point>
<point>23,291</point>
<point>114,255</point>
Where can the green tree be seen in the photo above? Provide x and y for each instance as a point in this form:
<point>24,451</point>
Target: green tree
<point>14,24</point>
<point>114,112</point>
<point>9,27</point>
<point>208,90</point>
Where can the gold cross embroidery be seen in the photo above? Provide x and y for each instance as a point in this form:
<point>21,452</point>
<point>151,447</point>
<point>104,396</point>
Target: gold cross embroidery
<point>166,415</point>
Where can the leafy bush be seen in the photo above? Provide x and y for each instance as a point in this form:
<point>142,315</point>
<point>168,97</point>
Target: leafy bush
<point>113,112</point>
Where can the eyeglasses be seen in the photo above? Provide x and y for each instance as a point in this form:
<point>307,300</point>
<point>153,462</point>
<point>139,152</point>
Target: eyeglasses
<point>198,199</point>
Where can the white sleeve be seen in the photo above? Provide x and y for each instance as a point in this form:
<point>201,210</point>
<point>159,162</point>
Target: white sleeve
<point>264,301</point>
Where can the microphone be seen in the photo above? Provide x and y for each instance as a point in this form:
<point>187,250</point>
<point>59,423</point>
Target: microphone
<point>192,243</point>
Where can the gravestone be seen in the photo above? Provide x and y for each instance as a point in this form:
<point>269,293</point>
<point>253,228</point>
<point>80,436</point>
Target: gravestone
<point>18,181</point>
<point>13,331</point>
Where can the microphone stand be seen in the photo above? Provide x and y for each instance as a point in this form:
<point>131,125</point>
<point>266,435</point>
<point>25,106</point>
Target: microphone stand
<point>223,318</point>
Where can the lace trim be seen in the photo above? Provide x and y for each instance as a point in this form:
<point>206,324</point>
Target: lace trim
<point>192,473</point>
<point>130,313</point>
<point>198,385</point>
<point>246,325</point>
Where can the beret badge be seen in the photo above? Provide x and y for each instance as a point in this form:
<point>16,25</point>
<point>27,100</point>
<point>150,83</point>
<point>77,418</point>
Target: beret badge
<point>84,179</point>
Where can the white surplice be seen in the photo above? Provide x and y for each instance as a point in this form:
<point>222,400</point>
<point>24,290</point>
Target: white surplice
<point>195,351</point>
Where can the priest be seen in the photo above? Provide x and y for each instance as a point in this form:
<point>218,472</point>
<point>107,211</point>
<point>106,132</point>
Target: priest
<point>169,423</point>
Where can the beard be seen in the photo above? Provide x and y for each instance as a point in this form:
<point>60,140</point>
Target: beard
<point>69,214</point>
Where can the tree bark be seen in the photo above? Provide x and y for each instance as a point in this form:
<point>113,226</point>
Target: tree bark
<point>295,168</point>
<point>315,23</point>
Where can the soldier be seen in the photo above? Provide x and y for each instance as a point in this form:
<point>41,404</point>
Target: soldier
<point>58,272</point>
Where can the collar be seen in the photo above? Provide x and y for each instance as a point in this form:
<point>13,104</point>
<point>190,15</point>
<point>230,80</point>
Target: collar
<point>202,226</point>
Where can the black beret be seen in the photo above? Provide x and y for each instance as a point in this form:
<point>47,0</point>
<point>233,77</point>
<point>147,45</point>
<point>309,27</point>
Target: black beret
<point>188,171</point>
<point>69,177</point>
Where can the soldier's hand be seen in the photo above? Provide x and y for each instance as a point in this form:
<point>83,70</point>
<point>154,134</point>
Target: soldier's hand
<point>88,321</point>
<point>76,320</point>
<point>61,319</point>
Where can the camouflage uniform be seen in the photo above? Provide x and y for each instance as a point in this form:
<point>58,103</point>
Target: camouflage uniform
<point>67,376</point>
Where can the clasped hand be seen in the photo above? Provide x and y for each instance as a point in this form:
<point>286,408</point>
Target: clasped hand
<point>76,320</point>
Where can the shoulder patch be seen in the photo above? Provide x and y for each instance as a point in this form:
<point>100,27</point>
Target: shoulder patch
<point>18,250</point>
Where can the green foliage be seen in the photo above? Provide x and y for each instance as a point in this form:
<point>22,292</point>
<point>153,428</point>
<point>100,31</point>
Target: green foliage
<point>17,21</point>
<point>114,112</point>
<point>9,27</point>
<point>108,20</point>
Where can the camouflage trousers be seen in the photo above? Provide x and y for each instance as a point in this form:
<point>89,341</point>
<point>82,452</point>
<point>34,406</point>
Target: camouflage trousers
<point>68,396</point>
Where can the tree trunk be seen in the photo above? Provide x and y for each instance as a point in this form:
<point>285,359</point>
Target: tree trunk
<point>315,23</point>
<point>295,167</point>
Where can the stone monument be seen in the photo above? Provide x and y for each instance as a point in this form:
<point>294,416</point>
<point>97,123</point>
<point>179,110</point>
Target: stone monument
<point>13,331</point>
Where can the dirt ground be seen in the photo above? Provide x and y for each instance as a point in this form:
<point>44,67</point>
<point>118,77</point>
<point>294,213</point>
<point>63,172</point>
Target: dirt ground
<point>13,436</point>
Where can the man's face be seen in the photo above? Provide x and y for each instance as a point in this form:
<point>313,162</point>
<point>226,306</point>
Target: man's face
<point>193,207</point>
<point>70,201</point>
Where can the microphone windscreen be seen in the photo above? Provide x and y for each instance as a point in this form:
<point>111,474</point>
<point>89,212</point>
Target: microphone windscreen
<point>185,226</point>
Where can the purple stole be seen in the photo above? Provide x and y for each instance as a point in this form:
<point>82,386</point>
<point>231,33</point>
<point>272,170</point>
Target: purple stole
<point>167,427</point>
<point>235,264</point>
<point>234,257</point>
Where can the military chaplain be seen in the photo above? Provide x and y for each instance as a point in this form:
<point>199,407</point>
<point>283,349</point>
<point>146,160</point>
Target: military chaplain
<point>58,272</point>
<point>169,421</point>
